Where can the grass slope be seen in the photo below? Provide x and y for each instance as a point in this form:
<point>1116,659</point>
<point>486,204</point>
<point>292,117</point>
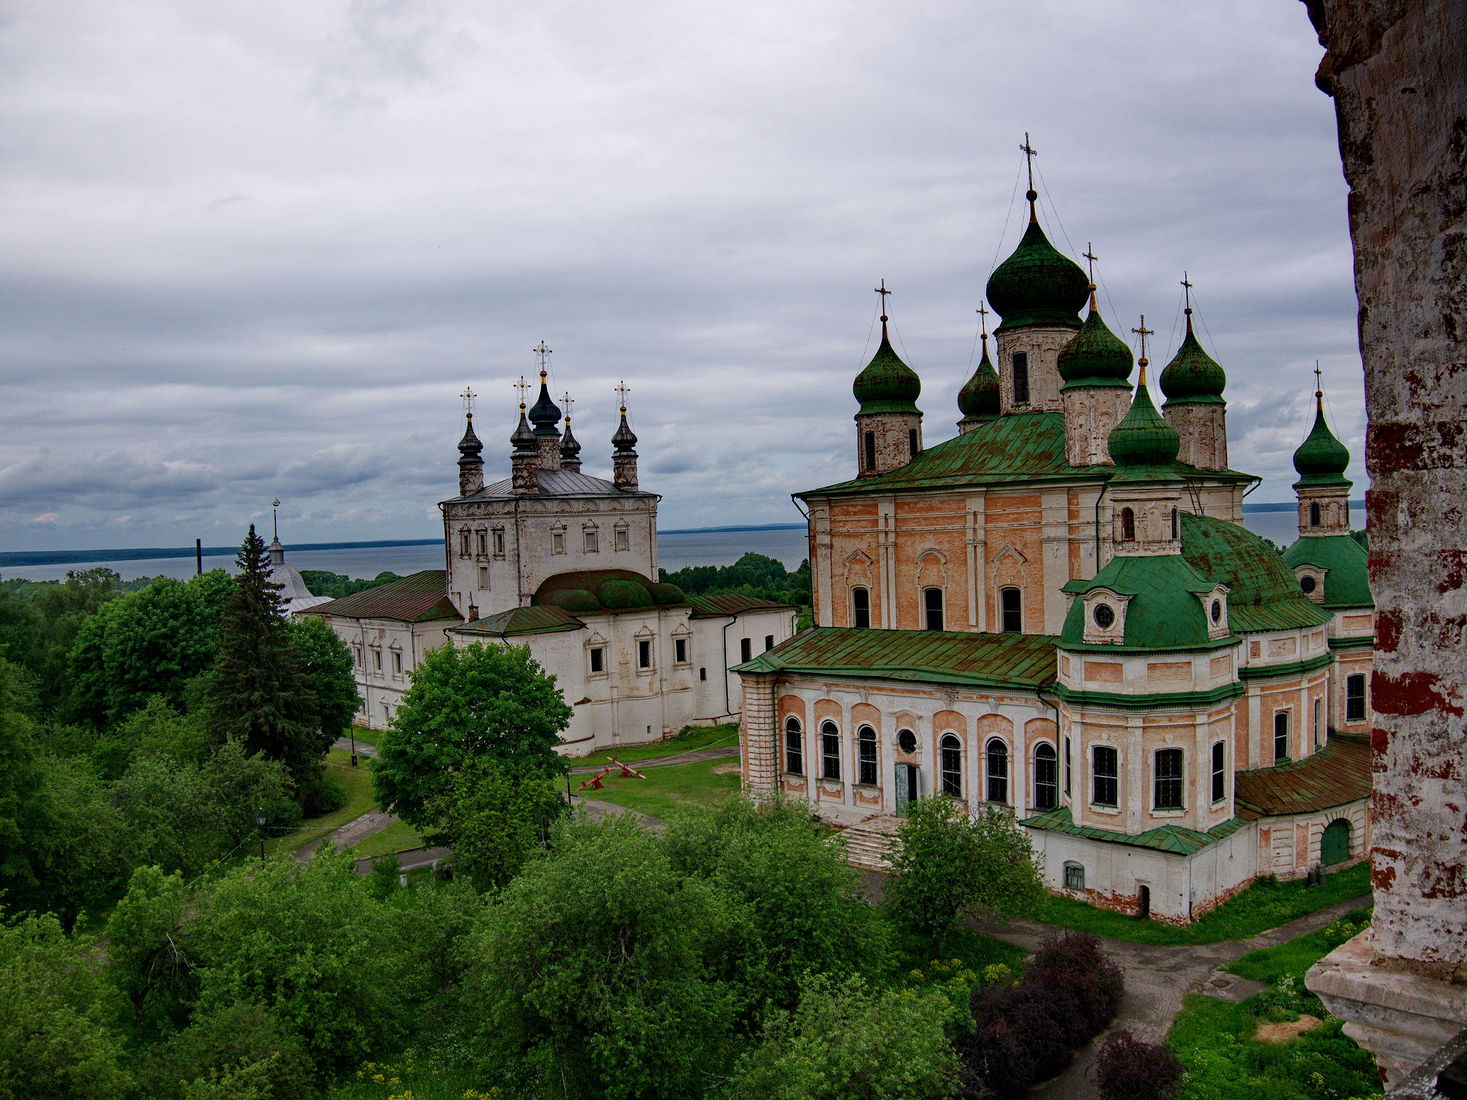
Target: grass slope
<point>690,739</point>
<point>668,789</point>
<point>397,837</point>
<point>358,784</point>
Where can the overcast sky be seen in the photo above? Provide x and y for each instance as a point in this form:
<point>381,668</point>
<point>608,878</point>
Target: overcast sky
<point>257,249</point>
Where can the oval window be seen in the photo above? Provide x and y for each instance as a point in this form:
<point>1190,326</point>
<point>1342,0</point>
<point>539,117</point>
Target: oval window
<point>1217,611</point>
<point>1308,584</point>
<point>907,741</point>
<point>1104,615</point>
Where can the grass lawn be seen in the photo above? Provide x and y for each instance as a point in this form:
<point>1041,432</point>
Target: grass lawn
<point>397,837</point>
<point>665,790</point>
<point>689,740</point>
<point>1262,906</point>
<point>1214,1038</point>
<point>363,736</point>
<point>358,784</point>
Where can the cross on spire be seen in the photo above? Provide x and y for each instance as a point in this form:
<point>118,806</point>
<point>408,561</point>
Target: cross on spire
<point>1029,154</point>
<point>621,390</point>
<point>1187,291</point>
<point>1090,258</point>
<point>1318,383</point>
<point>544,353</point>
<point>883,292</point>
<point>275,507</point>
<point>468,395</point>
<point>523,387</point>
<point>1143,332</point>
<point>982,312</point>
<point>566,401</point>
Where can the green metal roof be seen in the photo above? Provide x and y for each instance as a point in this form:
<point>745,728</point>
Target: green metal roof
<point>979,397</point>
<point>887,385</point>
<point>1143,443</point>
<point>1037,285</point>
<point>731,603</point>
<point>523,620</point>
<point>419,598</point>
<point>1163,611</point>
<point>1024,661</point>
<point>1096,357</point>
<point>1346,566</point>
<point>591,591</point>
<point>1336,775</point>
<point>1193,377</point>
<point>1176,839</point>
<point>1262,593</point>
<point>1321,459</point>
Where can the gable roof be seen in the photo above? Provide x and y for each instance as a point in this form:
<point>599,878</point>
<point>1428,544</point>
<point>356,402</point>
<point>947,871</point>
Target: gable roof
<point>1336,775</point>
<point>522,620</point>
<point>556,483</point>
<point>732,603</point>
<point>418,598</point>
<point>1024,661</point>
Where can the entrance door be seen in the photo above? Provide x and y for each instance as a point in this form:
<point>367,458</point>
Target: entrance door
<point>1145,903</point>
<point>906,786</point>
<point>1334,846</point>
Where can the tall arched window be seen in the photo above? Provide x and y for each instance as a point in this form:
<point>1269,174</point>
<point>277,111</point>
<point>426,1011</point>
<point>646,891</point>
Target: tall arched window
<point>866,756</point>
<point>829,751</point>
<point>996,770</point>
<point>868,442</point>
<point>861,607</point>
<point>950,764</point>
<point>1046,778</point>
<point>1314,516</point>
<point>912,441</point>
<point>1174,523</point>
<point>794,750</point>
<point>1021,378</point>
<point>1167,785</point>
<point>1219,771</point>
<point>1105,775</point>
<point>932,608</point>
<point>1010,610</point>
<point>1281,735</point>
<point>1128,525</point>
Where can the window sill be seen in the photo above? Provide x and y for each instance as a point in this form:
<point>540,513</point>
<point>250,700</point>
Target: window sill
<point>867,786</point>
<point>1101,808</point>
<point>1170,811</point>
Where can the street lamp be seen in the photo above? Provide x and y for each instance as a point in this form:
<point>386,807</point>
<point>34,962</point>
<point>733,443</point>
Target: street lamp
<point>260,822</point>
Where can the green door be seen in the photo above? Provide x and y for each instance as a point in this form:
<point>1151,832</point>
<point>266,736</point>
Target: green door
<point>906,786</point>
<point>1334,846</point>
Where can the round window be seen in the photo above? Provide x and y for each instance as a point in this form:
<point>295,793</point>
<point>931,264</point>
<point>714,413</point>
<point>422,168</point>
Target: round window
<point>907,741</point>
<point>1104,616</point>
<point>1308,584</point>
<point>1217,611</point>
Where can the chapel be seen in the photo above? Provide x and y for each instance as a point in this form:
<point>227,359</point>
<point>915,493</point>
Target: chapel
<point>564,562</point>
<point>1058,613</point>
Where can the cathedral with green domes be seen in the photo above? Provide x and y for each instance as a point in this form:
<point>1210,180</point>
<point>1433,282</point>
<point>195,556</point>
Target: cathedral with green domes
<point>1058,614</point>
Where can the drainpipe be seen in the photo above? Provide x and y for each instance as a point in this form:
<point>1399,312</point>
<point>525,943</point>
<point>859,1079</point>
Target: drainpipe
<point>727,696</point>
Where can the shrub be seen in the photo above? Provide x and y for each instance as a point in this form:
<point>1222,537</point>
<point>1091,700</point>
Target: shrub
<point>1130,1069</point>
<point>324,796</point>
<point>1080,981</point>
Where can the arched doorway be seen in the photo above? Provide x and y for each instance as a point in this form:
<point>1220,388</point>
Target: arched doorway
<point>1334,846</point>
<point>1143,903</point>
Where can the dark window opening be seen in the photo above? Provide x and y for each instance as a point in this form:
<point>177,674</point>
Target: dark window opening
<point>1074,876</point>
<point>1011,611</point>
<point>644,653</point>
<point>866,756</point>
<point>1219,771</point>
<point>829,751</point>
<point>1308,584</point>
<point>680,650</point>
<point>768,642</point>
<point>1046,778</point>
<point>932,608</point>
<point>1355,697</point>
<point>907,741</point>
<point>997,770</point>
<point>1314,516</point>
<point>1281,735</point>
<point>912,441</point>
<point>950,765</point>
<point>702,674</point>
<point>746,649</point>
<point>1128,525</point>
<point>1105,777</point>
<point>794,753</point>
<point>1067,766</point>
<point>598,659</point>
<point>1021,378</point>
<point>868,441</point>
<point>861,607</point>
<point>1168,785</point>
<point>1174,523</point>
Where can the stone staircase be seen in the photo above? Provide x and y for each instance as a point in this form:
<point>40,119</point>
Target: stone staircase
<point>869,843</point>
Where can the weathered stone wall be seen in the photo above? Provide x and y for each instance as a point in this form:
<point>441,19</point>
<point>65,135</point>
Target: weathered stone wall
<point>1397,70</point>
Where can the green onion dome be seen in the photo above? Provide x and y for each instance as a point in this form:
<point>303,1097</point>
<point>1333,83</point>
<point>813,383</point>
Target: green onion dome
<point>978,399</point>
<point>1037,285</point>
<point>887,385</point>
<point>1143,438</point>
<point>1321,459</point>
<point>1095,356</point>
<point>1193,377</point>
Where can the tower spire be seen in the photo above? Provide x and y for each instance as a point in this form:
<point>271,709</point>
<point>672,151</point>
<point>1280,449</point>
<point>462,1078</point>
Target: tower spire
<point>884,293</point>
<point>1032,195</point>
<point>1143,332</point>
<point>1090,258</point>
<point>982,312</point>
<point>1187,301</point>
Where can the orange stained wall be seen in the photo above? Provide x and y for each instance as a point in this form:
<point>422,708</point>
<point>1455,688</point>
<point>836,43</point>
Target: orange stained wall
<point>949,721</point>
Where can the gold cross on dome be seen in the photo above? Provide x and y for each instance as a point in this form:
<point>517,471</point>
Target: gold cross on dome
<point>621,389</point>
<point>1318,381</point>
<point>1143,332</point>
<point>1187,292</point>
<point>468,395</point>
<point>523,387</point>
<point>1090,258</point>
<point>1029,154</point>
<point>982,312</point>
<point>566,401</point>
<point>544,354</point>
<point>883,292</point>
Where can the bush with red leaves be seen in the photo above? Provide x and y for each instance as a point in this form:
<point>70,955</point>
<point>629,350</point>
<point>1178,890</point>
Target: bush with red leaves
<point>1129,1069</point>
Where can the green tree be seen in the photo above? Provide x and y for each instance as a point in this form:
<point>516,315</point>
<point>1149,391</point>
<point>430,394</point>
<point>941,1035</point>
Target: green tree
<point>326,662</point>
<point>479,701</point>
<point>950,864</point>
<point>144,948</point>
<point>849,1041</point>
<point>494,820</point>
<point>592,974</point>
<point>258,692</point>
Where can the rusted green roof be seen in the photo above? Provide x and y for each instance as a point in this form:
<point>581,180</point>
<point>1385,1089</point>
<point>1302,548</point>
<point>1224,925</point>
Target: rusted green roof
<point>887,385</point>
<point>1166,838</point>
<point>1262,593</point>
<point>1336,775</point>
<point>1017,447</point>
<point>731,603</point>
<point>1346,566</point>
<point>1164,611</point>
<point>923,656</point>
<point>523,620</point>
<point>590,591</point>
<point>419,598</point>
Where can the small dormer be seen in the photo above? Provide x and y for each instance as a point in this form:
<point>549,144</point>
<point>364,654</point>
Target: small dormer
<point>1215,611</point>
<point>1105,616</point>
<point>1311,581</point>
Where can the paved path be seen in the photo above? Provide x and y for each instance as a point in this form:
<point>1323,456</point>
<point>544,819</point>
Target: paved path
<point>689,757</point>
<point>363,749</point>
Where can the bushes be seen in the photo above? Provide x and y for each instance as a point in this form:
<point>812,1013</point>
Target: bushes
<point>1129,1069</point>
<point>1026,1032</point>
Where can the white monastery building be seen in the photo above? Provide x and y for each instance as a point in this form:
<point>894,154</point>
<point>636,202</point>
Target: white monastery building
<point>1059,613</point>
<point>565,563</point>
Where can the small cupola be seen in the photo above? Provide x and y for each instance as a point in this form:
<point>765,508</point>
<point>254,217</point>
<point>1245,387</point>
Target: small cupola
<point>524,460</point>
<point>1323,491</point>
<point>1096,357</point>
<point>1143,440</point>
<point>979,399</point>
<point>1037,286</point>
<point>886,384</point>
<point>1193,383</point>
<point>888,422</point>
<point>470,451</point>
<point>624,448</point>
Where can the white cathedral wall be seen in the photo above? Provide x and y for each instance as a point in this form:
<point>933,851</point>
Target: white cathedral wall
<point>394,645</point>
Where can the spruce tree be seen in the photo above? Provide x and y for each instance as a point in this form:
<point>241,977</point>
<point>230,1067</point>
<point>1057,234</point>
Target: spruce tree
<point>258,694</point>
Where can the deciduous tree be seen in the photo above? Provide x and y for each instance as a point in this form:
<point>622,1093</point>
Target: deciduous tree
<point>494,819</point>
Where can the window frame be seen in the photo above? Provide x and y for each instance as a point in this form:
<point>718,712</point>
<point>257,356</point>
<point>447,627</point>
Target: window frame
<point>950,764</point>
<point>1111,777</point>
<point>1219,771</point>
<point>1281,733</point>
<point>646,655</point>
<point>1014,614</point>
<point>1128,524</point>
<point>933,609</point>
<point>680,651</point>
<point>867,773</point>
<point>996,771</point>
<point>746,649</point>
<point>1357,704</point>
<point>590,540</point>
<point>861,607</point>
<point>596,660</point>
<point>1168,779</point>
<point>830,751</point>
<point>1020,364</point>
<point>1049,760</point>
<point>794,746</point>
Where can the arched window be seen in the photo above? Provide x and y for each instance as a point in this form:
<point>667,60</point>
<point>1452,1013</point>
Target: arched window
<point>829,751</point>
<point>1219,771</point>
<point>932,608</point>
<point>1281,735</point>
<point>1314,516</point>
<point>1128,525</point>
<point>950,765</point>
<point>1318,722</point>
<point>1105,776</point>
<point>794,750</point>
<point>1167,785</point>
<point>1046,778</point>
<point>866,756</point>
<point>861,607</point>
<point>868,442</point>
<point>912,441</point>
<point>1011,611</point>
<point>1174,523</point>
<point>1021,378</point>
<point>996,770</point>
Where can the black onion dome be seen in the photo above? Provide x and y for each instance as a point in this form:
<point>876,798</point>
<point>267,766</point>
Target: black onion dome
<point>570,446</point>
<point>469,447</point>
<point>1037,285</point>
<point>545,413</point>
<point>522,438</point>
<point>623,439</point>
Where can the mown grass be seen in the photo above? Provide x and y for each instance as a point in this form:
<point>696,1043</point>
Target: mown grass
<point>1262,906</point>
<point>667,790</point>
<point>397,837</point>
<point>358,784</point>
<point>363,736</point>
<point>1215,1038</point>
<point>690,739</point>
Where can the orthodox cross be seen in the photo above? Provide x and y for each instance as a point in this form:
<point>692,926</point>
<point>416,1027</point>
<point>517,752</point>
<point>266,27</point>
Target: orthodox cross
<point>1143,332</point>
<point>621,390</point>
<point>275,504</point>
<point>468,395</point>
<point>566,401</point>
<point>1029,154</point>
<point>544,353</point>
<point>1090,258</point>
<point>883,292</point>
<point>982,312</point>
<point>523,387</point>
<point>1187,292</point>
<point>1318,383</point>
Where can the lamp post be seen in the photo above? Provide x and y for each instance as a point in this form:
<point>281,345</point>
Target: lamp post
<point>260,822</point>
<point>353,729</point>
